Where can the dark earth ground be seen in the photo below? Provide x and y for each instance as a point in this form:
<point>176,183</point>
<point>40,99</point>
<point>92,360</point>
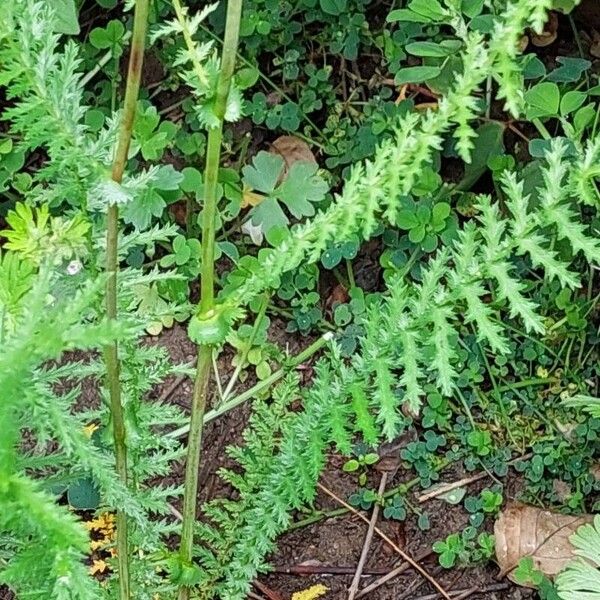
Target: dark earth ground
<point>337,542</point>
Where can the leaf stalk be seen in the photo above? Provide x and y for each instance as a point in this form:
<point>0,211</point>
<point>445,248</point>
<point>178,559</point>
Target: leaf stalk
<point>207,283</point>
<point>111,351</point>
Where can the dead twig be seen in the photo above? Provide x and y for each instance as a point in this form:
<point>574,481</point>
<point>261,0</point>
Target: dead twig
<point>413,587</point>
<point>384,537</point>
<point>466,593</point>
<point>267,591</point>
<point>175,512</point>
<point>438,491</point>
<point>404,566</point>
<point>169,391</point>
<point>327,570</point>
<point>353,589</point>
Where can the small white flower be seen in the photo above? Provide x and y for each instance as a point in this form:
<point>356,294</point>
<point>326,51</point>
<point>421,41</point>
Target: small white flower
<point>74,267</point>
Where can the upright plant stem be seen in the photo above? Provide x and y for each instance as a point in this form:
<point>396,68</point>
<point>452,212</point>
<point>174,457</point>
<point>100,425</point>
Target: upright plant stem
<point>207,286</point>
<point>111,352</point>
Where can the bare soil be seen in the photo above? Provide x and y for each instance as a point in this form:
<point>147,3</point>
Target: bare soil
<point>337,543</point>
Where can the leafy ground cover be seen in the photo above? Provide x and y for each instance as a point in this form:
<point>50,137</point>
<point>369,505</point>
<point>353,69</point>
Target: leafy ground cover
<point>356,307</point>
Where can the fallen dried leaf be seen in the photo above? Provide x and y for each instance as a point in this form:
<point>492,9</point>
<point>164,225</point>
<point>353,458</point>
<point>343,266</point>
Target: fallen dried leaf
<point>178,211</point>
<point>526,531</point>
<point>98,566</point>
<point>292,150</point>
<point>339,295</point>
<point>548,35</point>
<point>562,490</point>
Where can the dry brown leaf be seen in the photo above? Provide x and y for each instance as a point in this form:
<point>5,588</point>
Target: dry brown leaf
<point>595,44</point>
<point>548,35</point>
<point>526,531</point>
<point>292,150</point>
<point>178,211</point>
<point>339,295</point>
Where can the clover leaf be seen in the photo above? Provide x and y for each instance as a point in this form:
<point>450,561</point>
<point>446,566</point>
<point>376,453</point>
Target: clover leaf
<point>270,189</point>
<point>424,224</point>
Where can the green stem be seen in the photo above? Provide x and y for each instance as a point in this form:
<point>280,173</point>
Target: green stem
<point>541,381</point>
<point>111,352</point>
<point>207,283</point>
<point>255,390</point>
<point>350,271</point>
<point>542,129</point>
<point>280,91</point>
<point>244,355</point>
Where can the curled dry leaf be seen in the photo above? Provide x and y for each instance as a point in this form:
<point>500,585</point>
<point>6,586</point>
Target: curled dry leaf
<point>292,150</point>
<point>526,531</point>
<point>250,198</point>
<point>338,295</point>
<point>548,35</point>
<point>255,232</point>
<point>595,44</point>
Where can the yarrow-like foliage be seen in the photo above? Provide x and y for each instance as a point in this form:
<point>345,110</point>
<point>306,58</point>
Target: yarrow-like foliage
<point>48,307</point>
<point>410,339</point>
<point>200,65</point>
<point>48,543</point>
<point>49,109</point>
<point>581,579</point>
<point>42,75</point>
<point>374,190</point>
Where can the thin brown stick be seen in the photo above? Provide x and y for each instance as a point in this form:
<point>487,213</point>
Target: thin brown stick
<point>408,594</point>
<point>171,389</point>
<point>404,566</point>
<point>353,589</point>
<point>303,570</point>
<point>466,593</point>
<point>384,537</point>
<point>267,591</point>
<point>448,487</point>
<point>438,491</point>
